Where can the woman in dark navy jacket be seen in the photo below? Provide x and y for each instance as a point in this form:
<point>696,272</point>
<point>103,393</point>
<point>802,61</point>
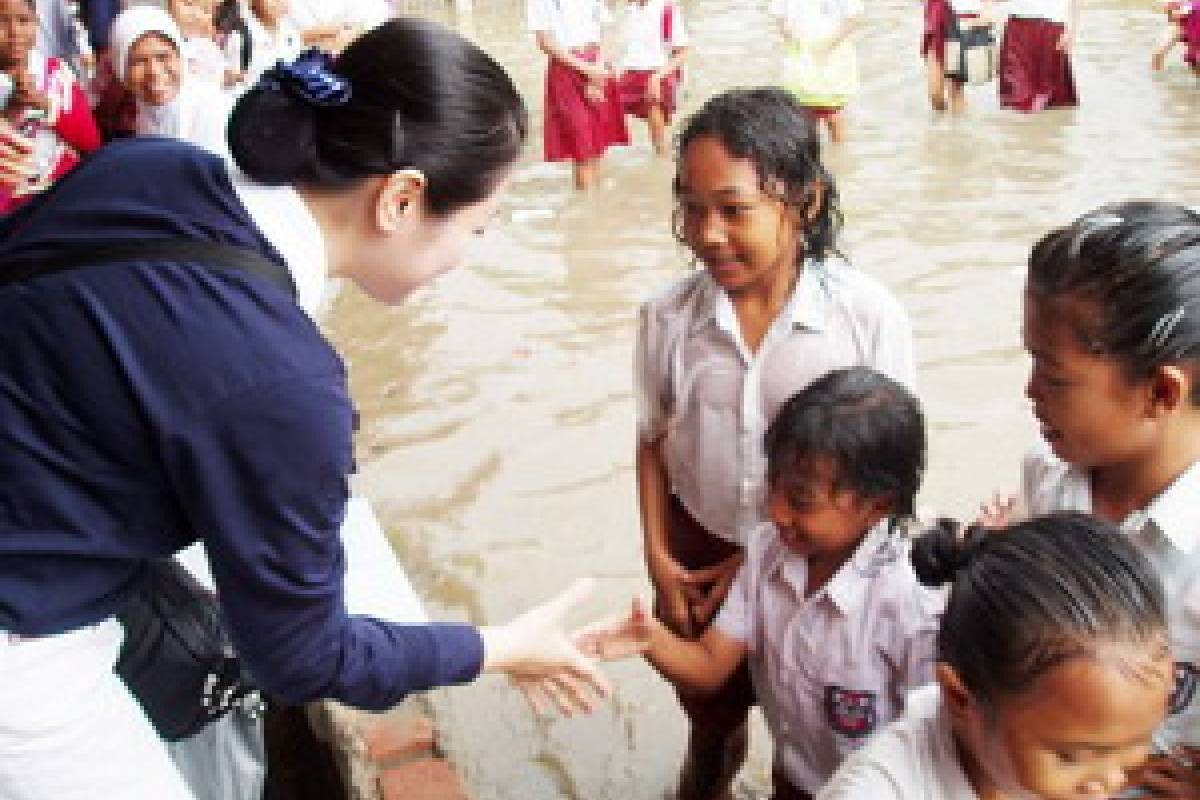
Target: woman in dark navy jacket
<point>147,402</point>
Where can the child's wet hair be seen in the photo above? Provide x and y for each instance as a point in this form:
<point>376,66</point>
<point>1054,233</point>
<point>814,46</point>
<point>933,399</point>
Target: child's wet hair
<point>768,127</point>
<point>421,97</point>
<point>868,427</point>
<point>1035,595</point>
<point>1133,270</point>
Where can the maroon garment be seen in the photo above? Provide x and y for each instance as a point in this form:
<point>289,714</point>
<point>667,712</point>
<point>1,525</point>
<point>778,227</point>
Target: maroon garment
<point>635,99</point>
<point>575,128</point>
<point>933,37</point>
<point>1190,26</point>
<point>1033,73</point>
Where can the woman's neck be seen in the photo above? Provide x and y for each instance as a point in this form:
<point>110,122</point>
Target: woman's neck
<point>1120,489</point>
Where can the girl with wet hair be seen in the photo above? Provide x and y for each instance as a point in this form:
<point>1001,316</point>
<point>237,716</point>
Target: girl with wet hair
<point>826,608</point>
<point>163,382</point>
<point>773,308</point>
<point>1053,670</point>
<point>1112,323</point>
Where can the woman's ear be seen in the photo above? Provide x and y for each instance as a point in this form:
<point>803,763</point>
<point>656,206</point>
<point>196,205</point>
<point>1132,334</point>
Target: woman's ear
<point>955,695</point>
<point>399,195</point>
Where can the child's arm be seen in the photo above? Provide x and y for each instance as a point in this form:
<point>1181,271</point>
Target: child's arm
<point>1067,41</point>
<point>699,665</point>
<point>546,43</point>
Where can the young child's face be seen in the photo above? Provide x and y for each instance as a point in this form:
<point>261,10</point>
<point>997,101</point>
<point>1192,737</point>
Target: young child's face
<point>153,69</point>
<point>18,30</point>
<point>744,236</point>
<point>1079,729</point>
<point>816,518</point>
<point>193,16</point>
<point>1089,410</point>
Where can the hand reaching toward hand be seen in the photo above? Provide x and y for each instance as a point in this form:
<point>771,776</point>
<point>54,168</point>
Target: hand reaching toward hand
<point>536,652</point>
<point>620,637</point>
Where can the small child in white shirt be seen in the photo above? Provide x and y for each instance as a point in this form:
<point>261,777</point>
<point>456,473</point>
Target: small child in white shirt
<point>206,60</point>
<point>826,607</point>
<point>1053,670</point>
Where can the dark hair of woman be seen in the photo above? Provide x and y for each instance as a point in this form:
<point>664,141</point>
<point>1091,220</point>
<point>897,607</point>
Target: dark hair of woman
<point>868,426</point>
<point>768,127</point>
<point>1035,595</point>
<point>1133,270</point>
<point>419,97</point>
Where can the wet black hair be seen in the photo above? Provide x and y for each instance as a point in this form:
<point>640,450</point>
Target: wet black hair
<point>1136,268</point>
<point>768,127</point>
<point>1037,594</point>
<point>868,426</point>
<point>422,97</point>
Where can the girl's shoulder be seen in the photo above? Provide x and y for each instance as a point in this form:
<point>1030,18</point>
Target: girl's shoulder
<point>683,298</point>
<point>860,291</point>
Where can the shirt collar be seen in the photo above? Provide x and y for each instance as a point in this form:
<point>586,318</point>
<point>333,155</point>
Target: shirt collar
<point>806,308</point>
<point>1174,510</point>
<point>284,219</point>
<point>848,586</point>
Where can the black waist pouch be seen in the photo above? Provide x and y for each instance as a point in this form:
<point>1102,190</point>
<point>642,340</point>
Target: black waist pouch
<point>177,658</point>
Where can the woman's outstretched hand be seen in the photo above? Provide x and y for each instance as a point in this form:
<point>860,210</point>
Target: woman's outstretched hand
<point>535,651</point>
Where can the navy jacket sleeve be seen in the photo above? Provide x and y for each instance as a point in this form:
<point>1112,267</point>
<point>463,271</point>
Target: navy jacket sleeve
<point>263,474</point>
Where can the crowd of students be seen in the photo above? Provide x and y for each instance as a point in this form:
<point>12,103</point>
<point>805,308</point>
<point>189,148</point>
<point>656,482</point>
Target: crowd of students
<point>780,442</point>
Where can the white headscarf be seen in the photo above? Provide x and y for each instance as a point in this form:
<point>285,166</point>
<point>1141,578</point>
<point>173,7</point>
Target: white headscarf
<point>134,23</point>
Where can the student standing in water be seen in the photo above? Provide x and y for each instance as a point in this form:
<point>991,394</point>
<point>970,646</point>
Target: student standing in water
<point>654,44</point>
<point>1053,671</point>
<point>947,91</point>
<point>772,308</point>
<point>1034,70</point>
<point>582,113</point>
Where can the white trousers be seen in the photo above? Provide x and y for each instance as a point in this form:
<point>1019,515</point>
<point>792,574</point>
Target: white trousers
<point>70,730</point>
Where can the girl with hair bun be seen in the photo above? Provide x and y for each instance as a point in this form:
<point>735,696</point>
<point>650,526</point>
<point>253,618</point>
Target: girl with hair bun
<point>1053,670</point>
<point>825,609</point>
<point>162,382</point>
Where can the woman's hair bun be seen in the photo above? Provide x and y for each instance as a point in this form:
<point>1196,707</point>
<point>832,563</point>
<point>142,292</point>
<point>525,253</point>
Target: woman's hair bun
<point>941,551</point>
<point>273,137</point>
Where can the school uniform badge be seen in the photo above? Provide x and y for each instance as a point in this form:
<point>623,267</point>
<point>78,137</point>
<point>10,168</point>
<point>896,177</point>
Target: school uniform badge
<point>851,712</point>
<point>1187,678</point>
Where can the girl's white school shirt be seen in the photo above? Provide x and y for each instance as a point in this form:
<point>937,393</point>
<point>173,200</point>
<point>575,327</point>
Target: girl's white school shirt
<point>642,34</point>
<point>831,669</point>
<point>708,399</point>
<point>571,23</point>
<point>967,6</point>
<point>361,14</point>
<point>914,758</point>
<point>1053,10</point>
<point>814,19</point>
<point>1167,532</point>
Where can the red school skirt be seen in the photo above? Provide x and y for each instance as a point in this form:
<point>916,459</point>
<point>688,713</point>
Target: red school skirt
<point>636,100</point>
<point>1033,73</point>
<point>575,128</point>
<point>1190,28</point>
<point>933,37</point>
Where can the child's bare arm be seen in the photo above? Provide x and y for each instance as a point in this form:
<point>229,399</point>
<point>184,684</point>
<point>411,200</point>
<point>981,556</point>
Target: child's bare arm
<point>547,44</point>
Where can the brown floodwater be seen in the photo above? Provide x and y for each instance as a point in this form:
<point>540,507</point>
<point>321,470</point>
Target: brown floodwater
<point>497,435</point>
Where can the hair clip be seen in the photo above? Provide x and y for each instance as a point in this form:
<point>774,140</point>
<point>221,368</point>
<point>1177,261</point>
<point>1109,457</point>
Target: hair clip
<point>1162,330</point>
<point>310,78</point>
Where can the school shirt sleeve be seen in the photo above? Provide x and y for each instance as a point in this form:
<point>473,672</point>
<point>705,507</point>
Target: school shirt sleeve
<point>919,652</point>
<point>651,375</point>
<point>861,779</point>
<point>891,350</point>
<point>679,33</point>
<point>539,15</point>
<point>263,478</point>
<point>736,619</point>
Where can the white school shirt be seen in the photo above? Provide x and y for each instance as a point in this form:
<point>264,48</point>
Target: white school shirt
<point>830,669</point>
<point>814,19</point>
<point>1053,10</point>
<point>642,34</point>
<point>967,6</point>
<point>1167,532</point>
<point>710,399</point>
<point>571,23</point>
<point>914,758</point>
<point>266,48</point>
<point>357,14</point>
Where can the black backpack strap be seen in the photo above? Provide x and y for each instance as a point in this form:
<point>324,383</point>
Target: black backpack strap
<point>186,251</point>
